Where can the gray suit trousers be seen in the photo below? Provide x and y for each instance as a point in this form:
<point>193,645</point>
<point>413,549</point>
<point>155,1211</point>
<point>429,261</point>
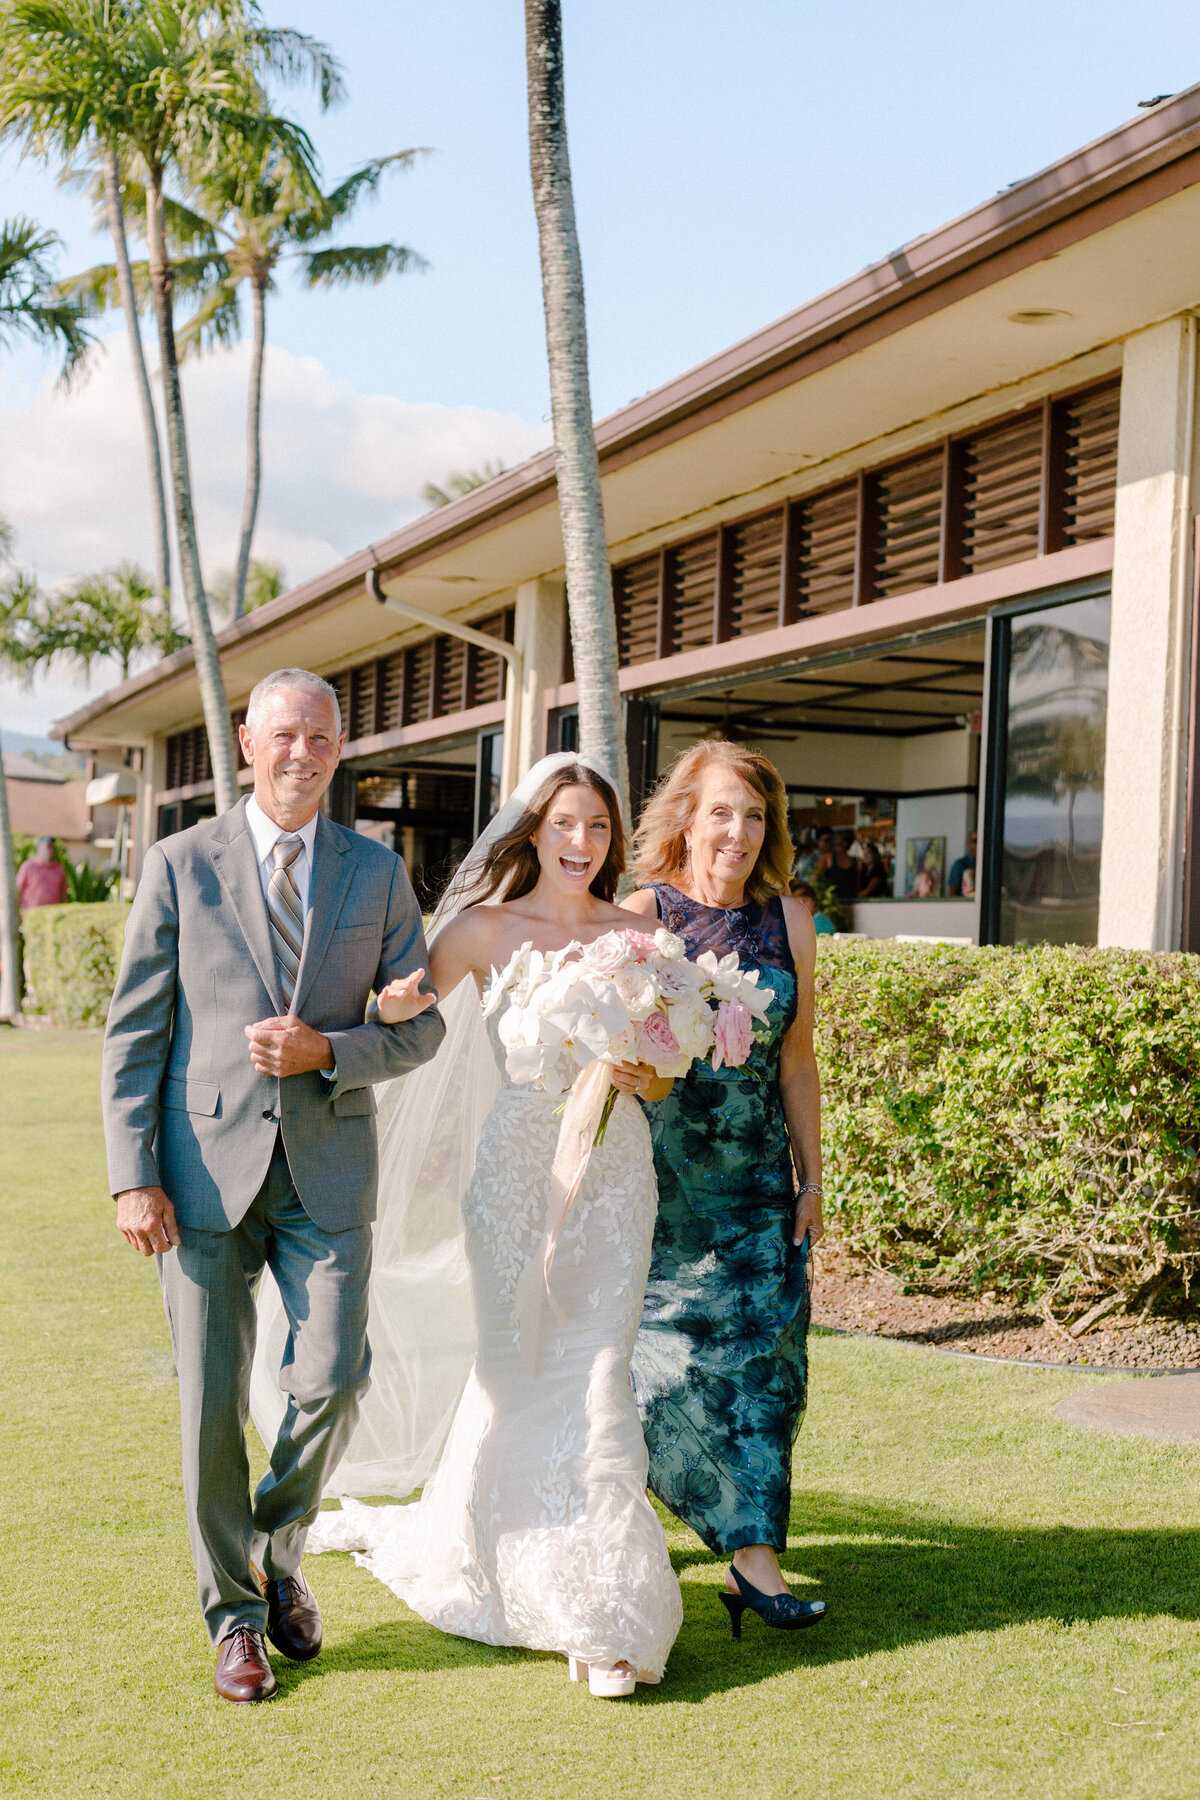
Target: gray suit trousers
<point>208,1286</point>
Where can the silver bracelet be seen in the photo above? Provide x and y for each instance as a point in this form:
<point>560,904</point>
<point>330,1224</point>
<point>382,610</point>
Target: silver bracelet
<point>811,1187</point>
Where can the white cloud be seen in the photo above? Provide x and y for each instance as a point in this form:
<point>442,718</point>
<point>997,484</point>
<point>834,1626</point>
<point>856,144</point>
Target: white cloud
<point>340,469</point>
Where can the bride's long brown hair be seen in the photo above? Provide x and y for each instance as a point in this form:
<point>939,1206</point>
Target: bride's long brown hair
<point>511,867</point>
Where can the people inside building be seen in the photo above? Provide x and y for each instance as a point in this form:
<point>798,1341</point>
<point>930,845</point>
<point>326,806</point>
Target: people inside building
<point>805,892</point>
<point>816,858</point>
<point>842,873</point>
<point>962,871</point>
<point>874,877</point>
<point>41,878</point>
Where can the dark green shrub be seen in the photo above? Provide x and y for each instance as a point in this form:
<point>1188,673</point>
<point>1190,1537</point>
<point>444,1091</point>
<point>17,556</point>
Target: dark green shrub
<point>1027,1120</point>
<point>72,954</point>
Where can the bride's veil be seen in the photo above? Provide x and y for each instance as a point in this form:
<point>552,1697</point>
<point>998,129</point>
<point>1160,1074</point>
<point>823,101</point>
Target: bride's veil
<point>422,1326</point>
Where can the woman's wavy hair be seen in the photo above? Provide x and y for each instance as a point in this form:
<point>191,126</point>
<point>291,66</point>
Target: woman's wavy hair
<point>659,850</point>
<point>511,867</point>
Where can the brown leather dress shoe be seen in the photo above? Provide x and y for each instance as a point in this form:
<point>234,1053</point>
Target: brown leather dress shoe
<point>243,1672</point>
<point>293,1621</point>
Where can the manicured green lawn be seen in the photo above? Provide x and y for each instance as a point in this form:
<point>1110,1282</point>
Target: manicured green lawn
<point>1015,1604</point>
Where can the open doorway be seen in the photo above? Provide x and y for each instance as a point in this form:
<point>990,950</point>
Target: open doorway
<point>880,754</point>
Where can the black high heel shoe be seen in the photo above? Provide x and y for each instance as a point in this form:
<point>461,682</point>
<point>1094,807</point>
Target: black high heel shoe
<point>783,1611</point>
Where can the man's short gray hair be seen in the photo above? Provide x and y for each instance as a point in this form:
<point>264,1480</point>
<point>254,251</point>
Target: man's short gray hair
<point>302,679</point>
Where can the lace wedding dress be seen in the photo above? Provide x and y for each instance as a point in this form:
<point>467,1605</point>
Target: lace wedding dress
<point>535,1528</point>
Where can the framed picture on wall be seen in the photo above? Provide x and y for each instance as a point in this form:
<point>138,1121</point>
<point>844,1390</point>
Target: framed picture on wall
<point>924,868</point>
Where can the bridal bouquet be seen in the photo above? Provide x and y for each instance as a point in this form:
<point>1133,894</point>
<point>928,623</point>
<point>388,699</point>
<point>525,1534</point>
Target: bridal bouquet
<point>625,997</point>
<point>572,1013</point>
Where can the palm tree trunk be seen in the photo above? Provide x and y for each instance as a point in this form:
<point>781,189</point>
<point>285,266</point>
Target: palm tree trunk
<point>10,916</point>
<point>204,647</point>
<point>580,503</point>
<point>258,289</point>
<point>158,493</point>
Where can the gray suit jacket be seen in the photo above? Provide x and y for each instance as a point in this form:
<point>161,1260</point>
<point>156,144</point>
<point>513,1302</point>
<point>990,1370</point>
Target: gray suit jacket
<point>184,1107</point>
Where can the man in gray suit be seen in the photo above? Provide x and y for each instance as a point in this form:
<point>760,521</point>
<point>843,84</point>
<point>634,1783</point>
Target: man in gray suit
<point>239,1117</point>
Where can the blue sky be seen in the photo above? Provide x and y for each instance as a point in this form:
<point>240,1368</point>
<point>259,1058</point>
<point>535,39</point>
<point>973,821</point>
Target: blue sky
<point>732,158</point>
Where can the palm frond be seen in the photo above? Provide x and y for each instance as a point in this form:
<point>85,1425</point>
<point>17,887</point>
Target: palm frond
<point>461,482</point>
<point>295,56</point>
<point>186,228</point>
<point>29,305</point>
<point>365,180</point>
<point>96,291</point>
<point>351,265</point>
<point>216,322</point>
<point>199,274</point>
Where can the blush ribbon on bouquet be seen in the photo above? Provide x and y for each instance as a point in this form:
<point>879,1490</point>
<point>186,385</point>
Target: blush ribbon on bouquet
<point>576,1141</point>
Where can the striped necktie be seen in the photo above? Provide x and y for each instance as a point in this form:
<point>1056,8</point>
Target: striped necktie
<point>286,916</point>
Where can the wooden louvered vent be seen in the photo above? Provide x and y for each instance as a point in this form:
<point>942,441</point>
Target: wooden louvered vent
<point>635,598</point>
<point>486,673</point>
<point>451,673</point>
<point>1001,475</point>
<point>418,683</point>
<point>362,701</point>
<point>754,558</point>
<point>340,683</point>
<point>826,530</point>
<point>907,506</point>
<point>391,696</point>
<point>1090,485</point>
<point>188,760</point>
<point>692,590</point>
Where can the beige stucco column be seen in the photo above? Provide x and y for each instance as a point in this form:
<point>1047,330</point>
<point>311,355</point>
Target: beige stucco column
<point>1141,863</point>
<point>152,779</point>
<point>538,635</point>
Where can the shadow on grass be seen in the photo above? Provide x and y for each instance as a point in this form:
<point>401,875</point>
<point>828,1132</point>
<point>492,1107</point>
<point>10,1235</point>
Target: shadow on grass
<point>898,1575</point>
<point>404,1645</point>
<point>893,1575</point>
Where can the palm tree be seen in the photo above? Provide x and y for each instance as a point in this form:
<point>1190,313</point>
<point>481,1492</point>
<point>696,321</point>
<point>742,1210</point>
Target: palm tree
<point>114,209</point>
<point>107,188</point>
<point>462,481</point>
<point>10,912</point>
<point>577,465</point>
<point>28,308</point>
<point>246,217</point>
<point>265,580</point>
<point>111,617</point>
<point>167,83</point>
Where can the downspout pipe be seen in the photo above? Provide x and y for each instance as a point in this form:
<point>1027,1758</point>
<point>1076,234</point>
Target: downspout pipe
<point>481,639</point>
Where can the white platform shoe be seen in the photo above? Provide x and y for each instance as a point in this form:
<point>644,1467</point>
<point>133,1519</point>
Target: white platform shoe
<point>604,1684</point>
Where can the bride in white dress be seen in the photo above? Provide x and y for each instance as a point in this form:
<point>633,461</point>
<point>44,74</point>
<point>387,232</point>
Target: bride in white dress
<point>534,1528</point>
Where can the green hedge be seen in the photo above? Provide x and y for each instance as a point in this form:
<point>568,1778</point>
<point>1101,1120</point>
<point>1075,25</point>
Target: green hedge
<point>1023,1120</point>
<point>72,953</point>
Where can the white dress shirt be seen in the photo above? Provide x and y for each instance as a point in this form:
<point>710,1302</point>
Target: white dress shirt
<point>266,834</point>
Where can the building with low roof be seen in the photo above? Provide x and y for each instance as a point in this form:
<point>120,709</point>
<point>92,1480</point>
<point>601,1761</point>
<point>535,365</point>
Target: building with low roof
<point>44,803</point>
<point>928,542</point>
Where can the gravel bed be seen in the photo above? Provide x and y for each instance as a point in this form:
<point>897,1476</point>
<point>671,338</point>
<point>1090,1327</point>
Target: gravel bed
<point>850,1297</point>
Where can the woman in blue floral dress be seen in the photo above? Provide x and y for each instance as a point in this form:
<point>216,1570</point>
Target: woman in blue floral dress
<point>721,1367</point>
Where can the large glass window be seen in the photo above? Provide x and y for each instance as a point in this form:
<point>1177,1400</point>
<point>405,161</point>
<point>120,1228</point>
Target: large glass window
<point>1049,704</point>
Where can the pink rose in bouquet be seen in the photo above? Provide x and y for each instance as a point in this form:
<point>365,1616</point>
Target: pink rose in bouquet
<point>644,946</point>
<point>656,1042</point>
<point>637,991</point>
<point>734,1034</point>
<point>605,955</point>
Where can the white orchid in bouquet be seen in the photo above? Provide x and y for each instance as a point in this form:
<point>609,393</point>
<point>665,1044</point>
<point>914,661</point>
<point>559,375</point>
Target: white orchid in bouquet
<point>626,997</point>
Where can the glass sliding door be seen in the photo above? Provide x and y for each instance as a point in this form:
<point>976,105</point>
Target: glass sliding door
<point>1045,813</point>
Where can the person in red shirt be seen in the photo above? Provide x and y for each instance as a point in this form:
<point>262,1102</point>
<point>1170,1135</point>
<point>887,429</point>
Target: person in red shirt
<point>41,878</point>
